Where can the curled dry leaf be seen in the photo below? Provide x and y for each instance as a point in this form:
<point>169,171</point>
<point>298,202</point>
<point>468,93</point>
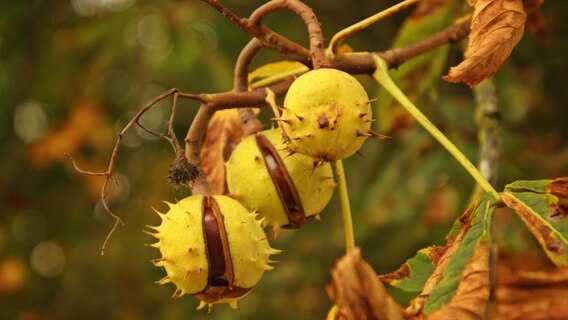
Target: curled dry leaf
<point>558,201</point>
<point>533,303</point>
<point>510,275</point>
<point>358,292</point>
<point>496,28</point>
<point>472,294</point>
<point>530,294</point>
<point>223,134</point>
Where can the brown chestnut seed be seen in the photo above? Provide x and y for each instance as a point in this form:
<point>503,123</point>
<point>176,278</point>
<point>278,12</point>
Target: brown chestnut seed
<point>286,190</point>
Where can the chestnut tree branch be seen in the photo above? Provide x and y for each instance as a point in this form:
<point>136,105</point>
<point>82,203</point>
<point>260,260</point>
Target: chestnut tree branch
<point>267,37</point>
<point>358,63</point>
<point>317,52</point>
<point>193,145</point>
<point>108,174</point>
<point>249,121</point>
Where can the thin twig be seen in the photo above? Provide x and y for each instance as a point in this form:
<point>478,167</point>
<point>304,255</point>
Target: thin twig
<point>108,174</point>
<point>170,136</point>
<point>267,37</point>
<point>317,52</point>
<point>157,134</point>
<point>171,132</point>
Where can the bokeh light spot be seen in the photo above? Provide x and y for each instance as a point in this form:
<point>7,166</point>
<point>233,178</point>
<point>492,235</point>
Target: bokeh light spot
<point>153,32</point>
<point>29,227</point>
<point>47,260</point>
<point>30,120</point>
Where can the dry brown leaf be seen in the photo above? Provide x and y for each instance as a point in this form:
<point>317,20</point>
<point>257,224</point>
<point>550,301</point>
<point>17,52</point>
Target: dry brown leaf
<point>473,291</point>
<point>223,134</point>
<point>508,275</point>
<point>559,203</point>
<point>559,187</point>
<point>520,303</point>
<point>530,294</point>
<point>496,28</point>
<point>358,293</point>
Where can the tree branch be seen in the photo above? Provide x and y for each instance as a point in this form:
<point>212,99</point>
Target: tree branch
<point>359,63</point>
<point>249,121</point>
<point>317,53</point>
<point>108,174</point>
<point>267,37</point>
<point>193,145</point>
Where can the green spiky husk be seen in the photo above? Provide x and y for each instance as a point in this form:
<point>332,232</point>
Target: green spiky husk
<point>184,253</point>
<point>249,180</point>
<point>326,112</point>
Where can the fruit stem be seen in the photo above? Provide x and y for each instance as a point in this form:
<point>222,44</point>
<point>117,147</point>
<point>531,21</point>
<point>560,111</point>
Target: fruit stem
<point>338,37</point>
<point>345,208</point>
<point>382,76</point>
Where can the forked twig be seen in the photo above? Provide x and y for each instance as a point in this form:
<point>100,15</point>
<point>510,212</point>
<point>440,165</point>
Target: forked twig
<point>108,174</point>
<point>361,63</point>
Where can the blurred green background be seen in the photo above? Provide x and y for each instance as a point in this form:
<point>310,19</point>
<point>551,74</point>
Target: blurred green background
<point>72,73</point>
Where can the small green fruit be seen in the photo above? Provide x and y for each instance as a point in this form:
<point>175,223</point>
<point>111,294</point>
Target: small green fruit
<point>327,115</point>
<point>212,248</point>
<point>287,190</point>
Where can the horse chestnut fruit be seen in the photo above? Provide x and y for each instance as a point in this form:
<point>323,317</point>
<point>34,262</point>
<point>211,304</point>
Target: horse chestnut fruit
<point>286,190</point>
<point>327,115</point>
<point>212,248</point>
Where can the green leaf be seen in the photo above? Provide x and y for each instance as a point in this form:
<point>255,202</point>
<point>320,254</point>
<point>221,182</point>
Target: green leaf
<point>542,205</point>
<point>420,268</point>
<point>476,232</point>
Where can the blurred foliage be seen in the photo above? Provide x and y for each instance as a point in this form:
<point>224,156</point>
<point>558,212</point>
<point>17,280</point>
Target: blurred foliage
<point>72,73</point>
